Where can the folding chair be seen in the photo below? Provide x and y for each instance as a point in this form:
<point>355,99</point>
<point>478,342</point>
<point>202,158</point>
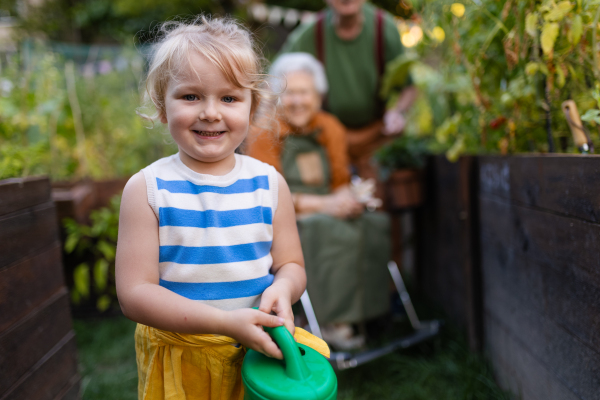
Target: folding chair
<point>422,330</point>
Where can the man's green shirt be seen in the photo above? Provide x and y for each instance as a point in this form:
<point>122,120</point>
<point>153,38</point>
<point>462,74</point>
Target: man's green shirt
<point>351,65</point>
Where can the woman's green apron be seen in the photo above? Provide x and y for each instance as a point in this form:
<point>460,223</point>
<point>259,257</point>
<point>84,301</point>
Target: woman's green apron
<point>346,260</point>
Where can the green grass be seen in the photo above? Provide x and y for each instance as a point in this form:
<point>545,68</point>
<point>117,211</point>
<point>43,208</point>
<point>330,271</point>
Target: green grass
<point>442,369</point>
<point>107,358</point>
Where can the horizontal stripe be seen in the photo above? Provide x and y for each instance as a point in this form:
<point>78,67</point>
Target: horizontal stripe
<point>240,186</point>
<point>234,304</point>
<point>239,271</point>
<point>219,290</point>
<point>196,237</point>
<point>170,216</point>
<point>215,201</point>
<point>214,254</point>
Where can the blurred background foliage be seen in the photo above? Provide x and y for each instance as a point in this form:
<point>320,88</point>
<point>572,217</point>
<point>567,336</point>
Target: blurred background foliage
<point>493,74</point>
<point>86,129</point>
<point>492,77</point>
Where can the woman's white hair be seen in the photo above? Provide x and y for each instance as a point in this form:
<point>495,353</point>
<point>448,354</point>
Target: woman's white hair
<point>294,62</point>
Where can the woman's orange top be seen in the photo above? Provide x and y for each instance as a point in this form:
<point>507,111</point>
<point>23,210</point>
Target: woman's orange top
<point>266,146</point>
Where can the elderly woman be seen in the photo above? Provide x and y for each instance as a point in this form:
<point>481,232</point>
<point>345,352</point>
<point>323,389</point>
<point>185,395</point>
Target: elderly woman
<point>346,249</point>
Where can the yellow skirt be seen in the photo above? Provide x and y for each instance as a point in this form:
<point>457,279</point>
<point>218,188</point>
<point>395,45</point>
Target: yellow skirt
<point>176,366</point>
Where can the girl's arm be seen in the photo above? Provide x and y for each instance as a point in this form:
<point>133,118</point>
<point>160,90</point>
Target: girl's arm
<point>144,301</point>
<point>288,261</point>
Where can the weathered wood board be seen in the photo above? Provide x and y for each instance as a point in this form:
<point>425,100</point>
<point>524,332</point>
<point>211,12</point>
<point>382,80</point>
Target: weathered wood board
<point>38,358</point>
<point>540,262</point>
<point>447,242</point>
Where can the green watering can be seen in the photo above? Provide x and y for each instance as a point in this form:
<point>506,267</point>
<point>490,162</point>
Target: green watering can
<point>303,374</point>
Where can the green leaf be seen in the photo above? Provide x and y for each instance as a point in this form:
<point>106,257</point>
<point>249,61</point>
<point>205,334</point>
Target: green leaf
<point>559,11</point>
<point>103,303</point>
<point>592,115</point>
<point>81,278</point>
<point>456,150</point>
<point>531,24</point>
<point>75,297</point>
<point>101,274</point>
<point>71,242</point>
<point>549,35</point>
<point>396,73</point>
<point>108,250</point>
<point>576,30</point>
<point>448,128</point>
<point>533,67</point>
<point>560,77</point>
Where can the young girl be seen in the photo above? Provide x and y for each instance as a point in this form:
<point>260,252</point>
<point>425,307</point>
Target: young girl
<point>206,234</point>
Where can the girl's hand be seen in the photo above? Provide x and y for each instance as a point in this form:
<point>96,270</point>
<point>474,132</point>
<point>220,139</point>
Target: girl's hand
<point>245,326</point>
<point>277,298</point>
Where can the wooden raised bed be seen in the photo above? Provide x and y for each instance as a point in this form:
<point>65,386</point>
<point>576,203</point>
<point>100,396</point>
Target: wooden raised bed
<point>77,199</point>
<point>38,355</point>
<point>512,245</point>
<point>540,259</point>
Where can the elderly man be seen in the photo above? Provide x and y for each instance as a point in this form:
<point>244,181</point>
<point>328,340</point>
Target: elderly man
<point>354,40</point>
<point>345,249</point>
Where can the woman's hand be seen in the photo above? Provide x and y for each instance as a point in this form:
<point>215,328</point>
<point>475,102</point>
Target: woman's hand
<point>245,326</point>
<point>342,204</point>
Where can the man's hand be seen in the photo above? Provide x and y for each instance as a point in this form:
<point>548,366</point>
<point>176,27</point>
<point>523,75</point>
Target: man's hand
<point>393,122</point>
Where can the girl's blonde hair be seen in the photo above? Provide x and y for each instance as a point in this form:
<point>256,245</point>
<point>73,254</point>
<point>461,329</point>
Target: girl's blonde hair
<point>225,43</point>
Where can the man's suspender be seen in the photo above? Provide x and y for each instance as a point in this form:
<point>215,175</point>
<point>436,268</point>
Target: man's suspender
<point>379,44</point>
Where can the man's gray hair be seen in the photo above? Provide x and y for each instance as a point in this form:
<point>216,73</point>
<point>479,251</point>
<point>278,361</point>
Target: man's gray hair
<point>293,62</point>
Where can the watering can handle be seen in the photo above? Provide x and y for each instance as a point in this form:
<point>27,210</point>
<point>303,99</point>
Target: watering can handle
<point>295,367</point>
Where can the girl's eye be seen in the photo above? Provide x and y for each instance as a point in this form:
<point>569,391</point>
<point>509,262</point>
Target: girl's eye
<point>190,97</point>
<point>228,99</point>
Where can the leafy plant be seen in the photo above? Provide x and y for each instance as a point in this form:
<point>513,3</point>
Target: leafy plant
<point>493,74</point>
<point>70,121</point>
<point>95,245</point>
<point>404,152</point>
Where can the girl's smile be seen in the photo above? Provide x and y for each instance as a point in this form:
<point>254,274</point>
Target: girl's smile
<point>208,116</point>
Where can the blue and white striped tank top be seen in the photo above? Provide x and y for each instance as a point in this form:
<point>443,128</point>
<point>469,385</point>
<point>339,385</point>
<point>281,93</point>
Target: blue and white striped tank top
<point>215,232</point>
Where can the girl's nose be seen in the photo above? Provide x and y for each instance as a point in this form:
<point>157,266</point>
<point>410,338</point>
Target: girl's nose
<point>210,112</point>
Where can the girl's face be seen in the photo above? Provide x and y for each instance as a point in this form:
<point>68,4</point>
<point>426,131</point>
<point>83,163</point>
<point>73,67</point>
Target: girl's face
<point>208,117</point>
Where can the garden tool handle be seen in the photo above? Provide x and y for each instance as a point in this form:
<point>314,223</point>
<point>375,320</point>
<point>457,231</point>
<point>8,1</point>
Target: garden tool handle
<point>295,367</point>
<point>580,136</point>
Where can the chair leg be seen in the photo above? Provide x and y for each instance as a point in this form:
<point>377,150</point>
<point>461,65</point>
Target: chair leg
<point>404,296</point>
<point>310,315</point>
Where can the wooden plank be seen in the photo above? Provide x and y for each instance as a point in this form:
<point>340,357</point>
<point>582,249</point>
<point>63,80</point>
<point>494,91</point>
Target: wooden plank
<point>26,285</point>
<point>518,371</point>
<point>449,262</point>
<point>105,190</point>
<point>572,363</point>
<point>74,202</point>
<point>564,184</point>
<point>26,233</point>
<point>19,193</point>
<point>54,377</point>
<point>548,261</point>
<point>26,342</point>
